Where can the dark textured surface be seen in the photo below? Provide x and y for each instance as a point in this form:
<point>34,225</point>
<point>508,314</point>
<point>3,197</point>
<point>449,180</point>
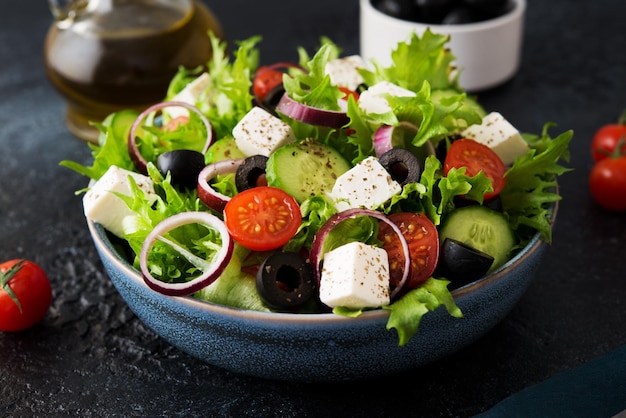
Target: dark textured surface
<point>91,357</point>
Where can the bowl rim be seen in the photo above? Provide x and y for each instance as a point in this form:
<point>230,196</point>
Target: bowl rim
<point>516,13</point>
<point>105,247</point>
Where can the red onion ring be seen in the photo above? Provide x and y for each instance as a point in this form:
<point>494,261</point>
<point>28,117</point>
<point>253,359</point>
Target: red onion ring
<point>208,276</point>
<point>383,137</point>
<point>315,255</point>
<point>133,149</point>
<point>207,194</point>
<point>311,115</point>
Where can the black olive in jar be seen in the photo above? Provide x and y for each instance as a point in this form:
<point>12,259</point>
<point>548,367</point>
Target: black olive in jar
<point>444,12</point>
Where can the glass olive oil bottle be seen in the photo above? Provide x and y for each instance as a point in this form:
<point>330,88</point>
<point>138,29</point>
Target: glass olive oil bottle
<point>108,55</point>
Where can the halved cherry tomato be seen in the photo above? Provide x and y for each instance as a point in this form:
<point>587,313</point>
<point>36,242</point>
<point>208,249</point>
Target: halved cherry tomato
<point>262,218</point>
<point>607,139</point>
<point>175,123</point>
<point>268,77</point>
<point>347,93</point>
<point>423,240</point>
<point>476,157</point>
<point>25,295</point>
<point>265,80</point>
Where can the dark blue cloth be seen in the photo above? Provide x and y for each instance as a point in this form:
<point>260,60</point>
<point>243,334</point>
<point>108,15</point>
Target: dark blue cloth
<point>596,389</point>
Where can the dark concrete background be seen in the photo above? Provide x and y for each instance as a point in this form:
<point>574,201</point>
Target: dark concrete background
<point>91,357</point>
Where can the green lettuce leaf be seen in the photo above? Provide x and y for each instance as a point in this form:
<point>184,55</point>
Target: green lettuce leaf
<point>531,183</point>
<point>421,59</point>
<point>406,314</point>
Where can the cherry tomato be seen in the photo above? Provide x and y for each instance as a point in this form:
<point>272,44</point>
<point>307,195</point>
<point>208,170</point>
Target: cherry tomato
<point>262,218</point>
<point>175,123</point>
<point>423,240</point>
<point>347,93</point>
<point>606,139</point>
<point>607,183</point>
<point>265,80</point>
<point>269,77</point>
<point>25,295</point>
<point>476,157</point>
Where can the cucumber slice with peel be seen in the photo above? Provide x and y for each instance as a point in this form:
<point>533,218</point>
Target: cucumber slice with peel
<point>483,229</point>
<point>305,169</point>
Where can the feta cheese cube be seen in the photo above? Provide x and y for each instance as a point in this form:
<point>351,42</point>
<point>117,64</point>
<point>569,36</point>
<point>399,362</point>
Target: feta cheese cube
<point>367,185</point>
<point>343,72</point>
<point>499,135</point>
<point>101,205</point>
<point>190,95</point>
<point>355,275</point>
<point>373,99</point>
<point>261,133</point>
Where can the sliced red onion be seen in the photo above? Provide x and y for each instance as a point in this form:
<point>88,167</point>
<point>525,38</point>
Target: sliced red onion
<point>133,149</point>
<point>383,137</point>
<point>311,115</point>
<point>211,270</point>
<point>315,255</point>
<point>207,194</point>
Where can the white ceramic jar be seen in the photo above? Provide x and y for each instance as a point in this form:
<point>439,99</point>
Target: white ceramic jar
<point>488,53</point>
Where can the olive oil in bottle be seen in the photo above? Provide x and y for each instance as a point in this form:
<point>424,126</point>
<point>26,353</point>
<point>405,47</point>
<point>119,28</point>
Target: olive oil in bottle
<point>108,55</point>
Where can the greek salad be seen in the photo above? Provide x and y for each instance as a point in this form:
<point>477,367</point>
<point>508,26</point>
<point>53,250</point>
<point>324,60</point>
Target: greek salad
<point>326,184</point>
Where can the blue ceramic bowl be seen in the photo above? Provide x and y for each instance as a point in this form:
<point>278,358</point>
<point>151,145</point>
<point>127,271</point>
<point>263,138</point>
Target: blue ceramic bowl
<point>318,347</point>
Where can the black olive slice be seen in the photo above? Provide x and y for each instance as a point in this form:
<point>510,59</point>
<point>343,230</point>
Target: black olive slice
<point>285,280</point>
<point>402,164</point>
<point>251,173</point>
<point>494,203</point>
<point>184,166</point>
<point>461,263</point>
<point>273,97</point>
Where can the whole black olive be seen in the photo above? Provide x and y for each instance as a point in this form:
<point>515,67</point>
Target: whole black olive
<point>251,173</point>
<point>402,164</point>
<point>402,9</point>
<point>285,280</point>
<point>490,8</point>
<point>433,11</point>
<point>461,263</point>
<point>460,15</point>
<point>184,166</point>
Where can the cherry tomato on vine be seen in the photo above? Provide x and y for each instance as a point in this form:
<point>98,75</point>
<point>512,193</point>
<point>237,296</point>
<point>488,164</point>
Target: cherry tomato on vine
<point>606,139</point>
<point>262,218</point>
<point>423,240</point>
<point>607,183</point>
<point>25,295</point>
<point>476,157</point>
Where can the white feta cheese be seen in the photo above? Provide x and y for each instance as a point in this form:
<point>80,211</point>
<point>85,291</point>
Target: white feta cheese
<point>261,133</point>
<point>191,94</point>
<point>367,185</point>
<point>102,206</point>
<point>343,72</point>
<point>373,99</point>
<point>355,275</point>
<point>499,135</point>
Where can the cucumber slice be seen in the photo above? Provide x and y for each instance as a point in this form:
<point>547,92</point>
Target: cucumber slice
<point>223,149</point>
<point>120,123</point>
<point>482,228</point>
<point>305,169</point>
